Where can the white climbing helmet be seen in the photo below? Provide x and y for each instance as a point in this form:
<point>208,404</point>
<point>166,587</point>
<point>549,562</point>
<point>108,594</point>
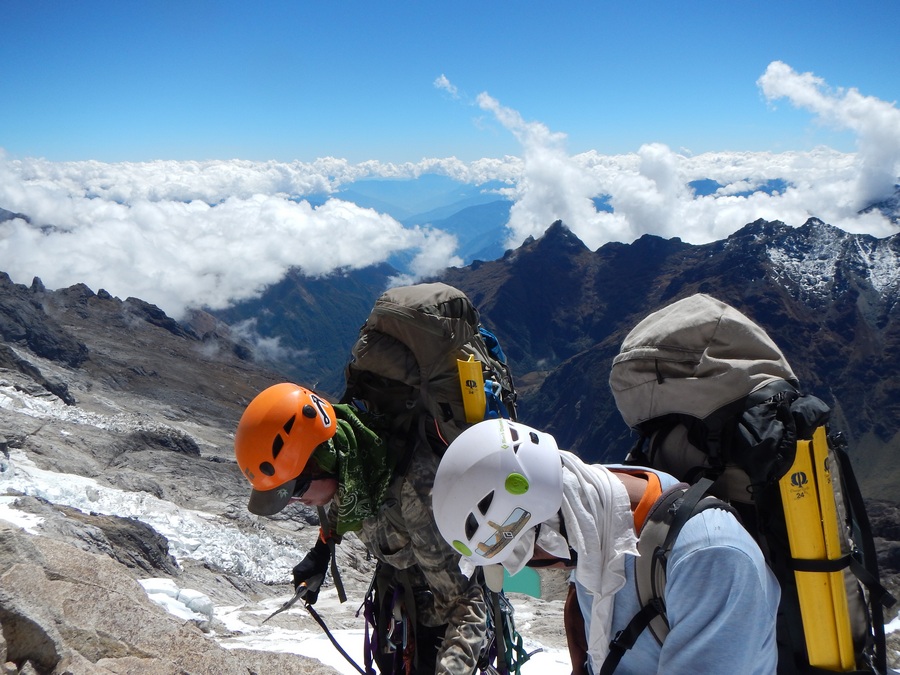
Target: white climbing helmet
<point>497,480</point>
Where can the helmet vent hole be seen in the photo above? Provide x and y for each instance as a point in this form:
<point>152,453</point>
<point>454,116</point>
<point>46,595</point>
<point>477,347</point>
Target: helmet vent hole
<point>514,434</point>
<point>485,503</point>
<point>471,526</point>
<point>267,469</point>
<point>534,438</point>
<point>277,445</point>
<point>309,411</point>
<point>289,424</point>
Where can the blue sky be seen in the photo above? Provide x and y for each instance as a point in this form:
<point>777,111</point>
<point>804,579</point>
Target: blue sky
<point>293,80</point>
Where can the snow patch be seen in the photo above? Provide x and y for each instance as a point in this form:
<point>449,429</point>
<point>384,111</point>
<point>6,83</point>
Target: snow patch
<point>187,604</point>
<point>191,534</point>
<point>812,267</point>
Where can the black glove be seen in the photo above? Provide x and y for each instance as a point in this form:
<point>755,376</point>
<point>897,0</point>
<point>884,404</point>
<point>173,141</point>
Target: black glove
<point>311,570</point>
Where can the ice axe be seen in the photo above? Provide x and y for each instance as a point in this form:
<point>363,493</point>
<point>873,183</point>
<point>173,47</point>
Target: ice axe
<point>311,584</point>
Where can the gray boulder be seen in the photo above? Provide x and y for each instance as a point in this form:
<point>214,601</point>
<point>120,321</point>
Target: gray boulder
<point>64,610</point>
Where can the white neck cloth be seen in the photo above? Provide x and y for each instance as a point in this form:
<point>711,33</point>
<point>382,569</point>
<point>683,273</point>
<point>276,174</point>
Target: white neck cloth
<point>600,527</point>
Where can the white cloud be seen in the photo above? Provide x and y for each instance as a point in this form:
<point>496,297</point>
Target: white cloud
<point>174,253</point>
<point>191,233</point>
<point>552,184</point>
<point>649,191</point>
<point>876,124</point>
<point>443,83</point>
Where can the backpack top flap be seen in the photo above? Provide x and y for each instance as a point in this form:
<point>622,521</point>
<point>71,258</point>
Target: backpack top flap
<point>433,321</point>
<point>405,360</point>
<point>694,341</point>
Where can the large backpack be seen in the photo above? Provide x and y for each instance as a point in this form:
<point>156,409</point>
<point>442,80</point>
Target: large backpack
<point>712,397</point>
<point>405,365</point>
<point>420,360</point>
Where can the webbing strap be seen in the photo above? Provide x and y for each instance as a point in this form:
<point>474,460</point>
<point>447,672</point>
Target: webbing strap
<point>809,565</point>
<point>332,554</point>
<point>879,596</point>
<point>502,664</point>
<point>685,510</point>
<point>625,638</point>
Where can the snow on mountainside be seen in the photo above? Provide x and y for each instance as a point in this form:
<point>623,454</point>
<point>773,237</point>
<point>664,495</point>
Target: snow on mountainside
<point>229,569</point>
<point>811,260</point>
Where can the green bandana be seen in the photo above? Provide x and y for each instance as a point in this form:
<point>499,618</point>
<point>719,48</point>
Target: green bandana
<point>364,469</point>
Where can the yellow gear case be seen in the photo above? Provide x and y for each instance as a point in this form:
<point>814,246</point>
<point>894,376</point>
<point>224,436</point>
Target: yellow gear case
<point>813,532</point>
<point>471,383</point>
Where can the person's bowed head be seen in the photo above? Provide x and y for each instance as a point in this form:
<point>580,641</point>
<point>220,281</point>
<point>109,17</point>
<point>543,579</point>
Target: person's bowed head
<point>281,445</point>
<point>495,484</point>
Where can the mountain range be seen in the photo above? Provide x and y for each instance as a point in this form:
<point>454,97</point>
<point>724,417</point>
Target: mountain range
<point>144,403</point>
<point>476,214</point>
<point>828,298</point>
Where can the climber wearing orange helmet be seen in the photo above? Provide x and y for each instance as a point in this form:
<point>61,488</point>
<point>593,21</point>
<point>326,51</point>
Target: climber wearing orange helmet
<point>278,433</point>
<point>293,445</point>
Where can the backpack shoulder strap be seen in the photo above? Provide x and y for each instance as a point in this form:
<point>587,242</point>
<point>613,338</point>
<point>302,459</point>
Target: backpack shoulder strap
<point>664,522</point>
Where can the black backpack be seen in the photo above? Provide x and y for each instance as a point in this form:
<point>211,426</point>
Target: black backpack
<point>712,398</point>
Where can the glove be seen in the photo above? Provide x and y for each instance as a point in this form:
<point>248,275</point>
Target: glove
<point>311,570</point>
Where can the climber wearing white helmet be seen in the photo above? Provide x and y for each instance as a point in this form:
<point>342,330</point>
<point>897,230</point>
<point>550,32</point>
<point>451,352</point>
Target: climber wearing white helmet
<point>505,494</point>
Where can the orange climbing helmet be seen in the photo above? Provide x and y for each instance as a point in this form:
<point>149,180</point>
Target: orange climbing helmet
<point>275,438</point>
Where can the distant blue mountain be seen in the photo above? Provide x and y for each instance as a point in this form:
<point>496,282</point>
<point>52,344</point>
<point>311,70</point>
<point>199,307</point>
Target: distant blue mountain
<point>602,203</point>
<point>420,200</point>
<point>481,230</point>
<point>476,214</point>
<point>486,193</point>
<point>704,187</point>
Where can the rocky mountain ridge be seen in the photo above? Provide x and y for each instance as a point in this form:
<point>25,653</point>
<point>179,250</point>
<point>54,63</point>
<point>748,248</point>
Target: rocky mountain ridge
<point>827,297</point>
<point>146,404</point>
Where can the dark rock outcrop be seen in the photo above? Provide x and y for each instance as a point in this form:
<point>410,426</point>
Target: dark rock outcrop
<point>23,321</point>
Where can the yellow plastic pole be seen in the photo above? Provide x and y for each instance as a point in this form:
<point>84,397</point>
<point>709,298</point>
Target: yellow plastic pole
<point>807,542</point>
<point>833,551</point>
<point>471,382</point>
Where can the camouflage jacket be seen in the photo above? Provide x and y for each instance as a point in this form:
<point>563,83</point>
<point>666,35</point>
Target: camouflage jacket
<point>404,535</point>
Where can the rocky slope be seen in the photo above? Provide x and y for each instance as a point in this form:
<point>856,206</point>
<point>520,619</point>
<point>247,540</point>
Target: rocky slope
<point>117,396</point>
<point>121,393</point>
